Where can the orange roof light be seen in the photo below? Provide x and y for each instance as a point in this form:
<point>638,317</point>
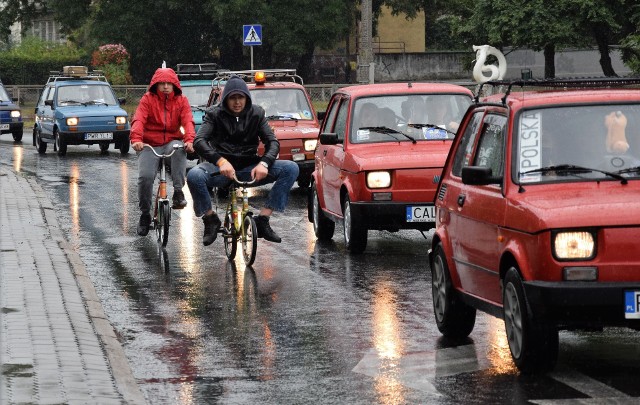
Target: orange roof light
<point>260,77</point>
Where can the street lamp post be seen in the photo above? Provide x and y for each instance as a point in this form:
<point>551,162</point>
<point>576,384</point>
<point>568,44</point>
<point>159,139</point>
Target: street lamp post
<point>365,50</point>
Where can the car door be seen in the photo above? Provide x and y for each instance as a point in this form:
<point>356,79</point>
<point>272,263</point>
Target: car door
<point>332,156</point>
<point>44,113</point>
<point>477,211</point>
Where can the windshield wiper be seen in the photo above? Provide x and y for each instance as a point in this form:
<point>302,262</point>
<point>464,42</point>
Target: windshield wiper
<point>282,117</point>
<point>565,169</point>
<point>389,131</point>
<point>419,126</point>
<point>70,101</point>
<point>95,102</point>
<point>629,170</point>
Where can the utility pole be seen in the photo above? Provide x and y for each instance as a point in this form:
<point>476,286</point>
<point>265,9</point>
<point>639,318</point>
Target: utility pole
<point>365,49</point>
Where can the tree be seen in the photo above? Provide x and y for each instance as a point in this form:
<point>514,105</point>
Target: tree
<point>12,11</point>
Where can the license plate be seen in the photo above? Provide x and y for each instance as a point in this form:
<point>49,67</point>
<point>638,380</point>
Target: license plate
<point>632,304</point>
<point>4,126</point>
<point>421,213</point>
<point>98,136</point>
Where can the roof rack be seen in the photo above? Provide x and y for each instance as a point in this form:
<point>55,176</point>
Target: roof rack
<point>198,69</point>
<point>567,83</point>
<point>270,74</point>
<point>76,73</point>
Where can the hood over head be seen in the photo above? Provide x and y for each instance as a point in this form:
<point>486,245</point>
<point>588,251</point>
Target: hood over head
<point>235,84</point>
<point>165,75</point>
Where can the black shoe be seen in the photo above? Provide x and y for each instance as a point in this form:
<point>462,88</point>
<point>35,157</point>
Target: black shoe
<point>264,229</point>
<point>211,227</point>
<point>143,224</point>
<point>178,200</point>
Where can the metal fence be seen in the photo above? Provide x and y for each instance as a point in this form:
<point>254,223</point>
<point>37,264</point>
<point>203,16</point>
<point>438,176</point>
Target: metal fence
<point>27,96</point>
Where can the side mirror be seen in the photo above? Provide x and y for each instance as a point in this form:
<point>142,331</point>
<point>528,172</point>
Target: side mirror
<point>122,100</point>
<point>321,115</point>
<point>329,139</point>
<point>49,103</point>
<point>479,176</point>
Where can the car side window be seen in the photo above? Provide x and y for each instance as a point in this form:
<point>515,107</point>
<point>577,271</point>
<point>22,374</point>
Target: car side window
<point>467,143</point>
<point>490,151</point>
<point>331,115</point>
<point>341,120</point>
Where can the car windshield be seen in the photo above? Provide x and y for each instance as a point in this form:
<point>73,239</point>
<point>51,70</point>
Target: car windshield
<point>578,143</point>
<point>418,117</point>
<point>3,94</point>
<point>85,94</point>
<point>283,103</point>
<point>197,95</point>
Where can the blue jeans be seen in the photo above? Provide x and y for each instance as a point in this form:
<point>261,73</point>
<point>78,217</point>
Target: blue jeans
<point>206,176</point>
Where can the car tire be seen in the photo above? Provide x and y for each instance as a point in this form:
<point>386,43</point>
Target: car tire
<point>104,147</point>
<point>61,145</point>
<point>533,344</point>
<point>303,182</point>
<point>323,227</point>
<point>17,136</point>
<point>124,148</point>
<point>40,144</point>
<point>355,231</point>
<point>454,318</point>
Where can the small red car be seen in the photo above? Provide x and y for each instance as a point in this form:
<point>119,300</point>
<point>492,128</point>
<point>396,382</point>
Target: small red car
<point>381,152</point>
<point>289,110</point>
<point>538,215</point>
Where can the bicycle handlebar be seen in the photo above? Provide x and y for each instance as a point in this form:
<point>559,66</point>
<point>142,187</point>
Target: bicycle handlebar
<point>243,183</point>
<point>175,147</point>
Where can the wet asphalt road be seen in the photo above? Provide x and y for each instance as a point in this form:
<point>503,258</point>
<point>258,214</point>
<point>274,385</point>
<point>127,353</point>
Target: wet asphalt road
<point>307,323</point>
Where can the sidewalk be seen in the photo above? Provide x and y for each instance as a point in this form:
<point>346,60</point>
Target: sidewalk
<point>56,344</point>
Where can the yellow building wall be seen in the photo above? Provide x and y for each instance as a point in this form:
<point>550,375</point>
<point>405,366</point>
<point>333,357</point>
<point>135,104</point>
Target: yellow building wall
<point>396,31</point>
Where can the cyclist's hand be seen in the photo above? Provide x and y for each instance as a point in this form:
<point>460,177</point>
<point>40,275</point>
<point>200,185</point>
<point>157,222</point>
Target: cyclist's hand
<point>137,146</point>
<point>188,146</point>
<point>227,170</point>
<point>259,172</point>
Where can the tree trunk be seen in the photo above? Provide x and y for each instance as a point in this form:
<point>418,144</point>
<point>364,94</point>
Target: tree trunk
<point>305,67</point>
<point>549,61</point>
<point>605,59</point>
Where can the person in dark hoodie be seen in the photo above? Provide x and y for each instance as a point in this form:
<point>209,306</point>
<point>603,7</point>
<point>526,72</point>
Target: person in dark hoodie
<point>162,119</point>
<point>228,143</point>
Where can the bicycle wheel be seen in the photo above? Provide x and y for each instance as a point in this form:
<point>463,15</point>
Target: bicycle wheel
<point>229,234</point>
<point>249,240</point>
<point>162,222</point>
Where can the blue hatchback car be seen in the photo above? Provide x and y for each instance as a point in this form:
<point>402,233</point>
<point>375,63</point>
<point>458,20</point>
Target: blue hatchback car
<point>10,116</point>
<point>77,107</point>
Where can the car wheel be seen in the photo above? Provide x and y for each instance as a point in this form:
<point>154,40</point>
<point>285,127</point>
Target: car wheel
<point>17,136</point>
<point>533,345</point>
<point>355,232</point>
<point>303,182</point>
<point>40,144</point>
<point>454,318</point>
<point>104,147</point>
<point>124,148</point>
<point>61,145</point>
<point>322,226</point>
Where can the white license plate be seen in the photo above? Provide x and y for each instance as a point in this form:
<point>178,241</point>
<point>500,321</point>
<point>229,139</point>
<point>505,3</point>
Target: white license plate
<point>632,304</point>
<point>98,136</point>
<point>4,126</point>
<point>421,213</point>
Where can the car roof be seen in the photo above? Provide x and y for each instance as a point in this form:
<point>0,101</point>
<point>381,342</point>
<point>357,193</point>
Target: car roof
<point>403,88</point>
<point>59,83</point>
<point>536,98</point>
<point>188,83</point>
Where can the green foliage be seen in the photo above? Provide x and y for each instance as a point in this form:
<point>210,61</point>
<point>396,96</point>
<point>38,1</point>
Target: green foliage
<point>33,59</point>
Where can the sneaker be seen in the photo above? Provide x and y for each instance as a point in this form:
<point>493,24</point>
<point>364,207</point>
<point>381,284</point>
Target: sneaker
<point>178,200</point>
<point>264,229</point>
<point>211,227</point>
<point>143,224</point>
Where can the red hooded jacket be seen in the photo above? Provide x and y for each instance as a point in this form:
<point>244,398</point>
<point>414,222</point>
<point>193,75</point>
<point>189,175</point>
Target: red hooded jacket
<point>159,117</point>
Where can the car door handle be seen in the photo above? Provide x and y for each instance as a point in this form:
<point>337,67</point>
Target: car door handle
<point>324,152</point>
<point>461,199</point>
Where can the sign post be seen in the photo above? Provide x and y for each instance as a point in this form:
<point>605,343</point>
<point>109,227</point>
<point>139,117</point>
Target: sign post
<point>252,35</point>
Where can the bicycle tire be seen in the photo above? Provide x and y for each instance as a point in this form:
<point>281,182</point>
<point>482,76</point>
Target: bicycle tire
<point>230,237</point>
<point>249,240</point>
<point>162,223</point>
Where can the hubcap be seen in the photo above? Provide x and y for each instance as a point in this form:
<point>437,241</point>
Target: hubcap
<point>316,207</point>
<point>438,286</point>
<point>513,320</point>
<point>347,222</point>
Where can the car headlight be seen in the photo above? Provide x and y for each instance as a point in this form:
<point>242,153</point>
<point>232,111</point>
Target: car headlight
<point>15,114</point>
<point>578,245</point>
<point>378,179</point>
<point>121,120</point>
<point>72,121</point>
<point>310,145</point>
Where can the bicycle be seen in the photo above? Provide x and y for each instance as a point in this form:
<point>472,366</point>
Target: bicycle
<point>162,208</point>
<point>239,224</point>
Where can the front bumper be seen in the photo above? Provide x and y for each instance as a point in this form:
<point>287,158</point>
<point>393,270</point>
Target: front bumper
<point>77,138</point>
<point>388,216</point>
<point>13,127</point>
<point>581,304</point>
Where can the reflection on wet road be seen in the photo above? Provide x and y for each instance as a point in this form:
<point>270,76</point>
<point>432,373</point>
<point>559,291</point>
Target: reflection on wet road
<point>307,323</point>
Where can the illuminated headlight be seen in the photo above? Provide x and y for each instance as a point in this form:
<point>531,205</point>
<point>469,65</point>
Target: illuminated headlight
<point>310,144</point>
<point>378,179</point>
<point>574,245</point>
<point>121,120</point>
<point>72,121</point>
<point>15,114</point>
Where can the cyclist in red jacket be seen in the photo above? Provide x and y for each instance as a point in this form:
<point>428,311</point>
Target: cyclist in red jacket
<point>162,118</point>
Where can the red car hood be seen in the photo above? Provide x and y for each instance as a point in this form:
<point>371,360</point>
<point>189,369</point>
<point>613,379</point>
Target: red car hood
<point>289,129</point>
<point>570,205</point>
<point>400,155</point>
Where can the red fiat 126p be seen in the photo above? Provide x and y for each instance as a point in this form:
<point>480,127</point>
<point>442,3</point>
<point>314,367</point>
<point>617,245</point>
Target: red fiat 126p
<point>538,215</point>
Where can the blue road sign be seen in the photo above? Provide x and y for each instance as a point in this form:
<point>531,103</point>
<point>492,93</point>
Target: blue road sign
<point>252,34</point>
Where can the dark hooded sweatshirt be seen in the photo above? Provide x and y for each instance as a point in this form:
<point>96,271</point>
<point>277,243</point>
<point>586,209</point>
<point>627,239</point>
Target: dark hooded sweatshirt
<point>236,138</point>
<point>159,117</point>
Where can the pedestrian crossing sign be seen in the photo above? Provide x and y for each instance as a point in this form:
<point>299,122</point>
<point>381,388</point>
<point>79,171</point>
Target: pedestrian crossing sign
<point>252,34</point>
